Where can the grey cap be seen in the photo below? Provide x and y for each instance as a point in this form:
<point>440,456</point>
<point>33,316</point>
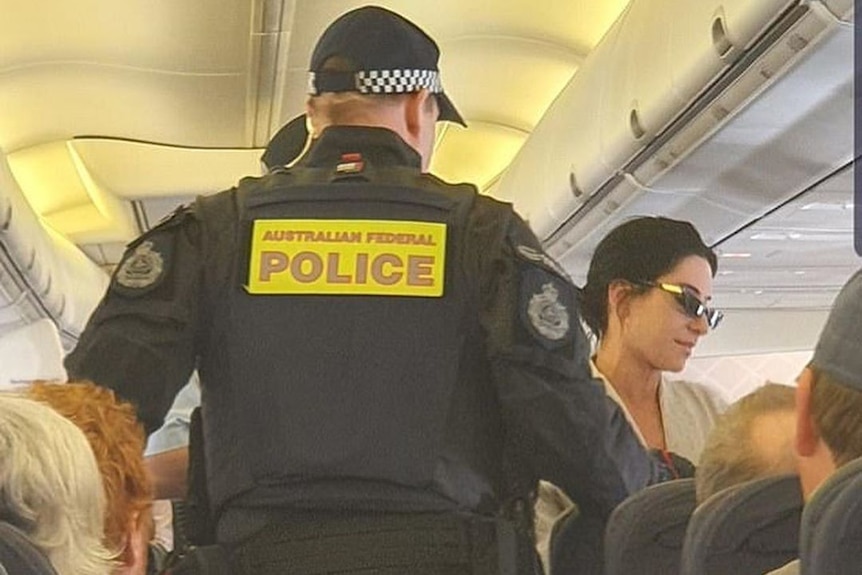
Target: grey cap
<point>839,349</point>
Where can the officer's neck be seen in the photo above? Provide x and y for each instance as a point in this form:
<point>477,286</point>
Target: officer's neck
<point>378,145</point>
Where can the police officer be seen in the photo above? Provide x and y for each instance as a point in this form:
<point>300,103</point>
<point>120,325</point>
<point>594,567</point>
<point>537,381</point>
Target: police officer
<point>388,362</point>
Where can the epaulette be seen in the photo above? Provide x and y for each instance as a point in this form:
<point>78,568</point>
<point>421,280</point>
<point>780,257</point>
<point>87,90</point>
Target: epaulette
<point>540,258</point>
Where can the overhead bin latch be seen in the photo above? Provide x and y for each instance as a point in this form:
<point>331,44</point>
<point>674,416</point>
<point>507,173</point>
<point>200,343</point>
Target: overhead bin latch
<point>637,129</point>
<point>7,218</point>
<point>721,41</point>
<point>573,184</point>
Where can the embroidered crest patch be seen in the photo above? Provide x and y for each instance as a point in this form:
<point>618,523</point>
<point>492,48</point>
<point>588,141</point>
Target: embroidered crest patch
<point>547,301</point>
<point>548,316</point>
<point>141,269</point>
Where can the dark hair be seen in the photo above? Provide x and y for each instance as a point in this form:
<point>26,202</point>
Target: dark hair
<point>637,251</point>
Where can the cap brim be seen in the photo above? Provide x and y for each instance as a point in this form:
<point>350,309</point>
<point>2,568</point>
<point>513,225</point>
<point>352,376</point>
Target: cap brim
<point>448,112</point>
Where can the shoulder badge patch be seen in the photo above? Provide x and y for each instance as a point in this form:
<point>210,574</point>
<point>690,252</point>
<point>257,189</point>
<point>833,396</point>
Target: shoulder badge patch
<point>547,300</point>
<point>142,268</point>
<point>148,259</point>
<point>547,314</point>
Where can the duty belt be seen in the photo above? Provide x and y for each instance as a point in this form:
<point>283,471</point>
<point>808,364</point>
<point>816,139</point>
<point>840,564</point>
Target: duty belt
<point>311,544</point>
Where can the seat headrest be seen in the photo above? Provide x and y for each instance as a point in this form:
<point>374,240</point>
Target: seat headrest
<point>646,531</point>
<point>749,528</point>
<point>19,556</point>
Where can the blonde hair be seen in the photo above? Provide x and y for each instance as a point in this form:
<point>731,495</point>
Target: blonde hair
<point>729,456</point>
<point>50,486</point>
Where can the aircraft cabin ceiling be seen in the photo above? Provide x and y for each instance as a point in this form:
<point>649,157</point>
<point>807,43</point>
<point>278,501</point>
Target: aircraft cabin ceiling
<point>113,113</point>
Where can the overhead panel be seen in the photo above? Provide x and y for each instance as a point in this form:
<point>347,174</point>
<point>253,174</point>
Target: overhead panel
<point>515,100</point>
<point>639,78</point>
<point>135,170</point>
<point>171,72</point>
<point>42,274</point>
<point>49,103</point>
<point>155,34</point>
<point>717,123</point>
<point>477,156</point>
<point>66,198</point>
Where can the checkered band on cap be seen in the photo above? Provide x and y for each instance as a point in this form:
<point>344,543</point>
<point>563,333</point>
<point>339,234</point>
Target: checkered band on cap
<point>389,81</point>
<point>398,81</point>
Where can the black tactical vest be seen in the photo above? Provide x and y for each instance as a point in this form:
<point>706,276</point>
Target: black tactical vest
<point>374,400</point>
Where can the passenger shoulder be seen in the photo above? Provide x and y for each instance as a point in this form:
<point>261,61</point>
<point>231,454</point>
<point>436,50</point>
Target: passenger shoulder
<point>695,394</point>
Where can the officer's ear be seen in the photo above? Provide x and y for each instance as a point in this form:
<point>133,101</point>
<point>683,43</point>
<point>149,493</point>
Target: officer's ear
<point>420,121</point>
<point>420,112</point>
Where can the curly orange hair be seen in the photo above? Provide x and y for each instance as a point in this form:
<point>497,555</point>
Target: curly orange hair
<point>118,441</point>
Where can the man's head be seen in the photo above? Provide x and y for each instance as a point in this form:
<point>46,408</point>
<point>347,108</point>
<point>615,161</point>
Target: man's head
<point>829,392</point>
<point>753,439</point>
<point>117,439</point>
<point>373,67</point>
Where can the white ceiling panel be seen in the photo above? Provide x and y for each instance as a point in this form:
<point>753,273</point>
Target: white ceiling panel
<point>189,36</point>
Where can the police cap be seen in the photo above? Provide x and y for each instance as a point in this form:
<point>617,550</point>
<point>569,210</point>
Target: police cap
<point>391,55</point>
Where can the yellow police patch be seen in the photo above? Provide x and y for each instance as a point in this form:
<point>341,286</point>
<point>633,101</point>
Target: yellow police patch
<point>347,257</point>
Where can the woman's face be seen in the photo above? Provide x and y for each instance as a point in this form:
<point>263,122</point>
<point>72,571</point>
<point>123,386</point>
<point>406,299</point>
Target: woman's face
<point>655,326</point>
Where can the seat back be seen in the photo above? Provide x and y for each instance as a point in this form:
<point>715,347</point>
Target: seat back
<point>831,537</point>
<point>18,555</point>
<point>645,532</point>
<point>822,499</point>
<point>576,545</point>
<point>750,528</point>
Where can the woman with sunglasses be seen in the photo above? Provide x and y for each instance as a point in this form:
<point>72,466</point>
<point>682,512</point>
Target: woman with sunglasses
<point>647,302</point>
